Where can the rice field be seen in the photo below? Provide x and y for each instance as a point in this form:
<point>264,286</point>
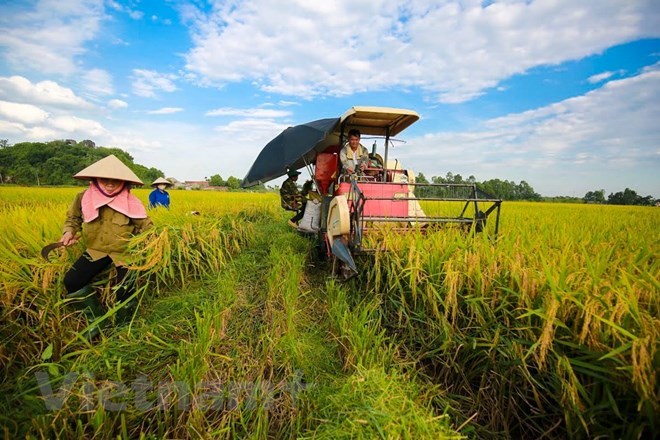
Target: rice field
<point>550,331</point>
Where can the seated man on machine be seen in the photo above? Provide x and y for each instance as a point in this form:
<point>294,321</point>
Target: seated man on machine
<point>293,199</point>
<point>354,157</point>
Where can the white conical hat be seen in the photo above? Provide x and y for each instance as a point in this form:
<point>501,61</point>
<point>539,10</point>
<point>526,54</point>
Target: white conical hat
<point>109,168</point>
<point>161,180</point>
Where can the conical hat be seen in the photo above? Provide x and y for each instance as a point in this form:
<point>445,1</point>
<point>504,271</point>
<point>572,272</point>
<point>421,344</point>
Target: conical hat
<point>161,180</point>
<point>109,168</point>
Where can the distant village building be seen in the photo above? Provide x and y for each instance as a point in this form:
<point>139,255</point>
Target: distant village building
<point>196,184</point>
<point>176,184</point>
<point>203,185</point>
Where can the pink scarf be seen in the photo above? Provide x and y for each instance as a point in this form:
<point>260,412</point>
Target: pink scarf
<point>123,202</point>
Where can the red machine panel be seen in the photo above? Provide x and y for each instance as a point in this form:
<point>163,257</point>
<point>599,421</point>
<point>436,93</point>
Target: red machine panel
<point>380,208</point>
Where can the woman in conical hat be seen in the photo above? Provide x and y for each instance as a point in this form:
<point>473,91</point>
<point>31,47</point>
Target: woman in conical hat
<point>108,215</point>
<point>159,196</point>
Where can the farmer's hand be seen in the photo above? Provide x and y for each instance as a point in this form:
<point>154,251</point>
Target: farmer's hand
<point>68,239</point>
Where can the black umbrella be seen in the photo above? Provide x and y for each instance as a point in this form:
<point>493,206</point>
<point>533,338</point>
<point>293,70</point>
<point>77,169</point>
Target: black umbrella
<point>291,149</point>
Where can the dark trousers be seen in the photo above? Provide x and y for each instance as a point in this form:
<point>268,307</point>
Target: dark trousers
<point>299,213</point>
<point>84,270</point>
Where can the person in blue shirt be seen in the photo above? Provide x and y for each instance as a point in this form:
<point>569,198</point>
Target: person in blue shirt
<point>159,196</point>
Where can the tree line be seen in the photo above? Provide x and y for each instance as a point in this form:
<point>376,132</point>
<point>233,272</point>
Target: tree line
<point>503,189</point>
<point>510,190</point>
<point>625,197</point>
<point>55,162</point>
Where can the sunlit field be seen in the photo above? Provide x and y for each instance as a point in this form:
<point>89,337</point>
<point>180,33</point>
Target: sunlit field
<point>549,330</point>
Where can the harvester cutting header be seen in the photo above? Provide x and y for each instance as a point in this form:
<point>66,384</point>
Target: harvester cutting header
<point>349,204</point>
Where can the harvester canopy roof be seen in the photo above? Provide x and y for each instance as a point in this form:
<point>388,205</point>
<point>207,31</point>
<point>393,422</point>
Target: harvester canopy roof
<point>378,121</point>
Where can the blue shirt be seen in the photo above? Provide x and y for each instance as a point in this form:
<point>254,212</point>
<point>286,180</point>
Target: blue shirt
<point>159,197</point>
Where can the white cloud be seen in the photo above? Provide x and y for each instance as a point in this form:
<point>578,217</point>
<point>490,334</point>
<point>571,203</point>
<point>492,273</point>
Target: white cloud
<point>98,82</point>
<point>117,104</point>
<point>50,36</point>
<point>452,50</point>
<point>593,79</point>
<point>22,113</point>
<point>134,14</point>
<point>147,83</point>
<point>606,133</point>
<point>17,88</point>
<point>44,111</point>
<point>9,129</point>
<point>74,124</point>
<point>250,113</point>
<point>166,111</point>
<point>250,130</point>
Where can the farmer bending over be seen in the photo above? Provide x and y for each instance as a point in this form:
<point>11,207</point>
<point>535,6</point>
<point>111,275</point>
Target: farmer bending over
<point>108,215</point>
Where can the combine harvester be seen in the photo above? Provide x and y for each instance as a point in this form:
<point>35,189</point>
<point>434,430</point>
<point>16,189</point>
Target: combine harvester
<point>386,197</point>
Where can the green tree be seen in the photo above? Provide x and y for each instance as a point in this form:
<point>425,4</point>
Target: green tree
<point>524,191</point>
<point>422,191</point>
<point>595,196</point>
<point>629,197</point>
<point>216,180</point>
<point>233,182</point>
<point>625,197</point>
<point>55,162</point>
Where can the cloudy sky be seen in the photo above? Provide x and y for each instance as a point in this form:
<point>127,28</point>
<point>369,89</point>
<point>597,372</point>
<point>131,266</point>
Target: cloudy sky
<point>563,94</point>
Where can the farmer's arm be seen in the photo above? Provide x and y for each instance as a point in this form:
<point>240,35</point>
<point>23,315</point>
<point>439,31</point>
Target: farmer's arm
<point>143,224</point>
<point>73,222</point>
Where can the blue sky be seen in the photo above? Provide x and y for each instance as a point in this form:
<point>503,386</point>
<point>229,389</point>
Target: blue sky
<point>563,94</point>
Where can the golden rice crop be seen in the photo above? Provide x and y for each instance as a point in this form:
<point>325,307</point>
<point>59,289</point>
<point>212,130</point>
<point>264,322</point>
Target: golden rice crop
<point>551,329</point>
<point>181,247</point>
<point>567,297</point>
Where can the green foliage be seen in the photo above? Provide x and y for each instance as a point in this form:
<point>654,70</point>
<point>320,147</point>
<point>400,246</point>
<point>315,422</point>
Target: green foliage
<point>595,196</point>
<point>504,189</point>
<point>55,162</point>
<point>216,180</point>
<point>626,197</point>
<point>563,199</point>
<point>629,197</point>
<point>233,182</point>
